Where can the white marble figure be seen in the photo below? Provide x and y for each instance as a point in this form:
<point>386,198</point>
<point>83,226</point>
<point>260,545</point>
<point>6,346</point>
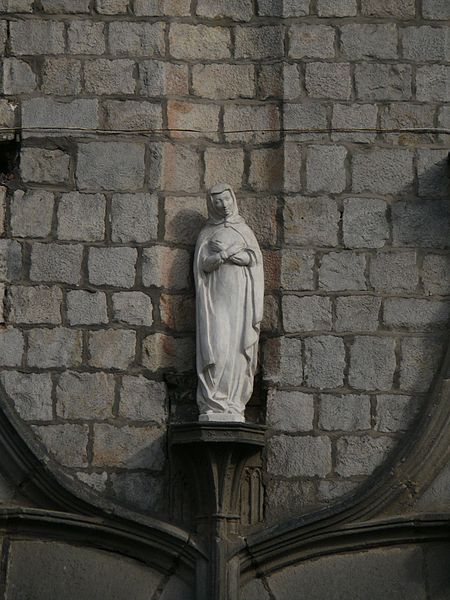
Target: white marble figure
<point>229,281</point>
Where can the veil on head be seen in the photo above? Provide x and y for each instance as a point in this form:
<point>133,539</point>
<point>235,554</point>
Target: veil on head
<point>213,215</point>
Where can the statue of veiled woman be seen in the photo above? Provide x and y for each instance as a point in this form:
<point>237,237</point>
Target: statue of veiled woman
<point>229,283</point>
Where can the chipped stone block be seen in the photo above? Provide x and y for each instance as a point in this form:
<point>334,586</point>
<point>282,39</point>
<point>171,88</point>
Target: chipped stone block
<point>58,347</point>
<point>84,395</point>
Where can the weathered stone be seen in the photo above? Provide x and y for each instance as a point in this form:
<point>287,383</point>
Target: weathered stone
<point>37,37</point>
<point>142,399</point>
<point>364,223</point>
<point>193,120</point>
<point>178,312</point>
<point>265,120</point>
<point>285,498</point>
<point>372,363</point>
<point>11,347</point>
<point>330,490</point>
<point>407,116</point>
<point>394,271</point>
<point>49,114</point>
<point>61,76</point>
<point>305,122</point>
<point>166,267</point>
<point>420,223</point>
<point>425,43</point>
<point>139,490</point>
<point>328,80</point>
<point>112,348</point>
<point>336,8</point>
<point>361,455</point>
<point>31,394</point>
<point>111,7</point>
<point>266,169</point>
<point>3,191</point>
<point>181,169</point>
<point>271,314</point>
<point>223,82</point>
<point>297,269</point>
<point>31,213</point>
<point>325,169</point>
<point>436,9</point>
<point>161,8</point>
<point>68,443</point>
<point>133,308</point>
<point>415,314</point>
<point>84,395</point>
<point>112,266</point>
<point>136,39</point>
<point>308,313</point>
<point>432,83</point>
<point>191,42</point>
<point>65,6</point>
<point>57,347</point>
<point>130,115</point>
<point>224,164</point>
<point>292,167</point>
<point>324,361</point>
<point>347,412</point>
<point>432,171</point>
<point>378,81</point>
<point>18,77</point>
<point>420,359</point>
<point>280,80</point>
<point>357,313</point>
<point>238,10</point>
<point>383,171</point>
<point>37,304</point>
<point>354,117</point>
<point>290,411</point>
<point>134,218</point>
<point>395,413</point>
<point>56,262</point>
<point>311,221</point>
<point>157,78</point>
<point>165,352</point>
<point>17,6</point>
<point>129,447</point>
<point>96,481</point>
<point>184,217</point>
<point>436,274</point>
<point>86,37</point>
<point>388,8</point>
<point>341,271</point>
<point>255,590</point>
<point>105,77</point>
<point>86,308</point>
<point>284,8</point>
<point>260,214</point>
<point>81,217</point>
<point>44,166</point>
<point>259,42</point>
<point>373,41</point>
<point>10,260</point>
<point>311,41</point>
<point>299,456</point>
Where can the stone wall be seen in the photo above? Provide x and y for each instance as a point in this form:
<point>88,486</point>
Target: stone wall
<point>325,116</point>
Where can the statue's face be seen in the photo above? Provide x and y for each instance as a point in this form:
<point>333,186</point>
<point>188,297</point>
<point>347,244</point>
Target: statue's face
<point>223,202</point>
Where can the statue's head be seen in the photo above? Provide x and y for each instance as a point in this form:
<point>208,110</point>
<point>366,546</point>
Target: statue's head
<point>222,202</point>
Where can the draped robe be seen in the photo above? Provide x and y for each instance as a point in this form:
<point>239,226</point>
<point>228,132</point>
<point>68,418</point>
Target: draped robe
<point>229,306</point>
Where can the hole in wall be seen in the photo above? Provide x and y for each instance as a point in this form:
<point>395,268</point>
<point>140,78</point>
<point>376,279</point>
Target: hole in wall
<point>9,160</point>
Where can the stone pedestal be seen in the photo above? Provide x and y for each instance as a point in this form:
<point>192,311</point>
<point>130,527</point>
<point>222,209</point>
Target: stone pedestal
<point>215,455</point>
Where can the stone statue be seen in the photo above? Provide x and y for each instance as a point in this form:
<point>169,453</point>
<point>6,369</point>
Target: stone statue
<point>229,281</point>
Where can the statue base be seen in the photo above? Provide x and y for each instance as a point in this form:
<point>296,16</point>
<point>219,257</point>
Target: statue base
<point>220,418</point>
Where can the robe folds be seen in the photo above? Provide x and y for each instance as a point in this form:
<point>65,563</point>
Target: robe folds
<point>229,306</point>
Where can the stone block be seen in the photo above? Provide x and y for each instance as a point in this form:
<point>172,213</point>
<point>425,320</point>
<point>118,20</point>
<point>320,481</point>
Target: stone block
<point>86,308</point>
<point>112,349</point>
<point>292,167</point>
<point>48,114</point>
<point>157,78</point>
<point>86,37</point>
<point>325,169</point>
<point>238,10</point>
<point>58,347</point>
<point>67,443</point>
<point>36,36</point>
<point>297,269</point>
<point>361,455</point>
<point>56,262</point>
<point>223,82</point>
<point>134,218</point>
<point>312,41</point>
<point>178,312</point>
<point>404,115</point>
<point>142,399</point>
<point>132,308</point>
<point>365,223</point>
<point>61,76</point>
<point>425,43</point>
<point>16,6</point>
<point>96,481</point>
<point>436,274</point>
<point>84,395</point>
<point>40,165</point>
<point>264,120</point>
<point>286,498</point>
<point>340,271</point>
<point>432,171</point>
<point>311,221</point>
<point>30,393</point>
<point>166,267</point>
<point>369,41</point>
<point>266,169</point>
<point>383,171</point>
<point>290,411</point>
<point>307,313</point>
<point>378,81</point>
<point>357,313</point>
<point>39,304</point>
<point>18,77</point>
<point>266,41</point>
<point>255,590</point>
<point>389,8</point>
<point>11,347</point>
<point>136,39</point>
<point>199,42</point>
<point>337,8</point>
<point>436,9</point>
<point>193,120</point>
<point>280,80</point>
<point>415,314</point>
<point>131,115</point>
<point>354,117</point>
<point>224,164</point>
<point>324,361</point>
<point>181,169</point>
<point>348,412</point>
<point>299,456</point>
<point>328,80</point>
<point>81,217</point>
<point>330,490</point>
<point>420,223</point>
<point>65,6</point>
<point>271,315</point>
<point>142,491</point>
<point>31,213</point>
<point>111,7</point>
<point>106,77</point>
<point>306,122</point>
<point>128,447</point>
<point>261,215</point>
<point>116,166</point>
<point>184,217</point>
<point>161,8</point>
<point>115,267</point>
<point>372,363</point>
<point>165,352</point>
<point>3,191</point>
<point>395,413</point>
<point>394,271</point>
<point>283,8</point>
<point>432,82</point>
<point>444,122</point>
<point>10,260</point>
<point>420,359</point>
